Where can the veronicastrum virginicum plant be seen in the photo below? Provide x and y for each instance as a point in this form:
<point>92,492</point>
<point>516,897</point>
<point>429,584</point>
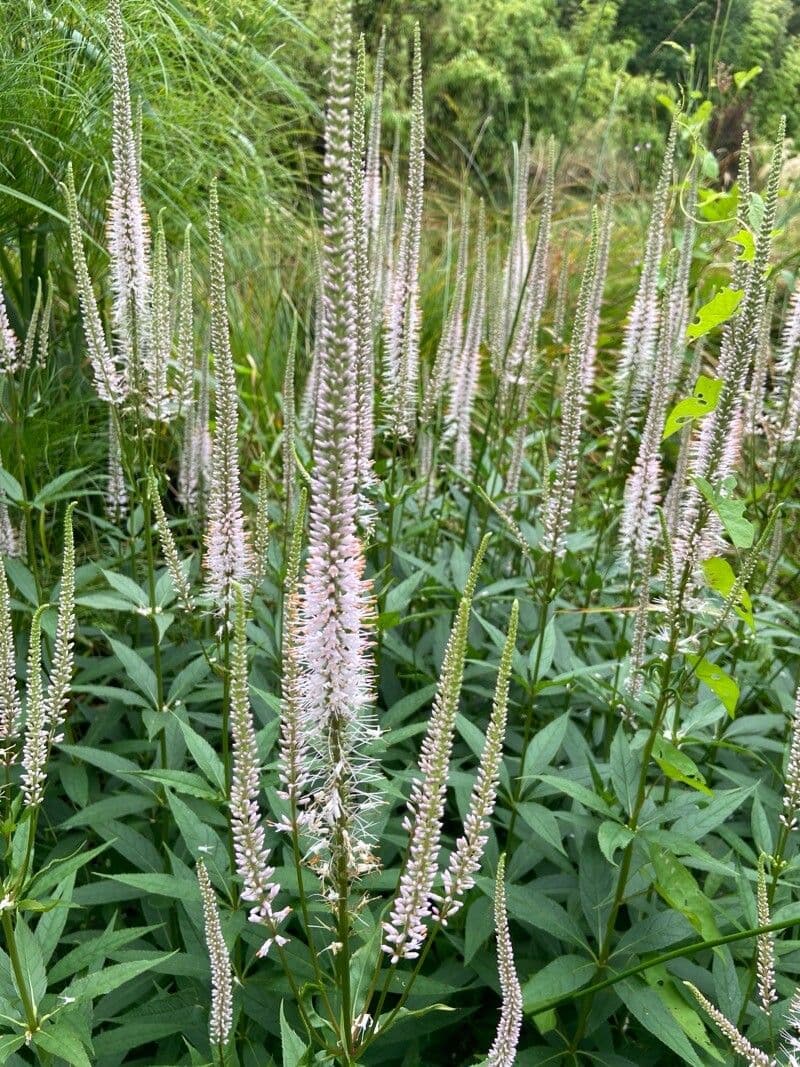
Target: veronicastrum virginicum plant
<point>492,657</point>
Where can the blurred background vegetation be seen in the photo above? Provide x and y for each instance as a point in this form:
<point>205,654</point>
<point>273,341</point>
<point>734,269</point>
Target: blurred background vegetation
<point>236,87</point>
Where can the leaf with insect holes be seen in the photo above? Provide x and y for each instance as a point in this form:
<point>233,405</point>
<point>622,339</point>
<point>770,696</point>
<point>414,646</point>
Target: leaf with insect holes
<point>747,244</point>
<point>701,403</point>
<point>723,686</point>
<point>720,577</point>
<point>717,311</point>
<point>729,510</point>
<point>678,766</point>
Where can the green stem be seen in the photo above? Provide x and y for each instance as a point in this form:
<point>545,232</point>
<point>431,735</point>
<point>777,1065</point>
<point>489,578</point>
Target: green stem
<point>19,975</point>
<point>657,961</point>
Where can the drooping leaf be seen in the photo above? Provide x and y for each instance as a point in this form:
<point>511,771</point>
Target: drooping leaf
<point>725,687</point>
<point>701,403</point>
<point>678,766</point>
<point>730,511</point>
<point>719,309</point>
<point>720,577</point>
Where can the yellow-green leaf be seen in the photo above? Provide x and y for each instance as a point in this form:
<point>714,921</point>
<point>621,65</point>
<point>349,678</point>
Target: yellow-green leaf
<point>730,511</point>
<point>720,577</point>
<point>718,310</point>
<point>701,403</point>
<point>743,77</point>
<point>747,244</point>
<point>677,885</point>
<point>721,684</point>
<point>678,766</point>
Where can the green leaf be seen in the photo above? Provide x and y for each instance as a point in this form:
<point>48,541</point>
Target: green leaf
<point>649,1010</point>
<point>165,885</point>
<point>560,976</point>
<point>96,948</point>
<point>677,885</point>
<point>720,577</point>
<point>33,968</point>
<point>721,684</point>
<point>684,1014</point>
<point>729,510</point>
<point>62,1042</point>
<point>10,487</point>
<point>744,239</point>
<point>744,77</point>
<point>293,1050</point>
<point>701,403</point>
<point>678,766</point>
<point>611,836</point>
<point>718,310</point>
<point>110,978</point>
<point>544,746</point>
<point>139,672</point>
<point>203,754</point>
<point>54,489</point>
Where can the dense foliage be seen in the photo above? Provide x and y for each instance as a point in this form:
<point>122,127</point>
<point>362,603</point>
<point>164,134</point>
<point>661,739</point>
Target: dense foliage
<point>398,601</point>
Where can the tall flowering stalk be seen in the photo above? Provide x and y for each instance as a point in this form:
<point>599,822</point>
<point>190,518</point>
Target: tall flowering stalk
<point>635,370</point>
<point>524,314</point>
<point>465,373</point>
<point>452,337</point>
<point>183,381</point>
<point>295,757</point>
<point>63,653</point>
<point>252,856</point>
<point>10,708</point>
<point>335,602</point>
<point>465,861</point>
<point>35,744</point>
<point>169,549</point>
<point>641,496</point>
<point>765,944</point>
<point>406,929</point>
<point>228,558</point>
<point>401,355</point>
<point>372,181</point>
<point>365,356</point>
<point>718,441</point>
<point>289,424</point>
<point>9,345</point>
<point>738,1042</point>
<point>562,493</point>
<point>128,233</point>
<point>109,376</point>
<point>158,401</point>
<point>503,1052</point>
<point>220,1018</point>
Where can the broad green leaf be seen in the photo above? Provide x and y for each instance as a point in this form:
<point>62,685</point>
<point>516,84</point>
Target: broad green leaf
<point>678,766</point>
<point>562,975</point>
<point>730,511</point>
<point>294,1052</point>
<point>701,403</point>
<point>648,1008</point>
<point>720,577</point>
<point>139,672</point>
<point>61,1041</point>
<point>96,948</point>
<point>544,746</point>
<point>110,978</point>
<point>718,310</point>
<point>127,587</point>
<point>54,490</point>
<point>677,885</point>
<point>612,836</point>
<point>10,487</point>
<point>165,885</point>
<point>32,961</point>
<point>725,687</point>
<point>203,754</point>
<point>683,1013</point>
